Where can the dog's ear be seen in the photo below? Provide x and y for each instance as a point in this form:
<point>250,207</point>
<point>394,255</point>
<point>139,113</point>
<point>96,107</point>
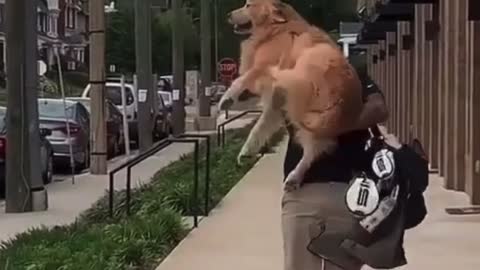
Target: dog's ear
<point>278,16</point>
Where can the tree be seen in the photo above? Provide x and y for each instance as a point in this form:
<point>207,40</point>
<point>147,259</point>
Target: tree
<point>121,38</point>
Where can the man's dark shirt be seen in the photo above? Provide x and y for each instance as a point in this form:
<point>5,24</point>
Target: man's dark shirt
<point>340,165</point>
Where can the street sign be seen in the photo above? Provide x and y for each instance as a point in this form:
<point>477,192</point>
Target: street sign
<point>42,68</point>
<point>176,94</point>
<point>227,67</point>
<point>142,95</point>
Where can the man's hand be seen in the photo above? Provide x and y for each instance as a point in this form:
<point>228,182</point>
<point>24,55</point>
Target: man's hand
<point>389,138</point>
<point>374,112</point>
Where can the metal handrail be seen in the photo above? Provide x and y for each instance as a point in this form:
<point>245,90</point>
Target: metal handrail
<point>155,149</point>
<point>207,168</point>
<point>221,127</point>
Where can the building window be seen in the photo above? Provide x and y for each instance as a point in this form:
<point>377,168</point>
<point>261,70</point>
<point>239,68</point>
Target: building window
<point>42,22</point>
<point>1,14</point>
<point>79,55</point>
<point>82,56</point>
<point>71,65</point>
<point>53,25</point>
<point>71,17</point>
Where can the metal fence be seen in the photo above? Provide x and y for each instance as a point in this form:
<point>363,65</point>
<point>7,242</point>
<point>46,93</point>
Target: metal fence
<point>194,139</point>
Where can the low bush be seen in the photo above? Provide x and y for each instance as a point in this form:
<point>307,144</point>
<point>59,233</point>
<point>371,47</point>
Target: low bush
<point>141,241</point>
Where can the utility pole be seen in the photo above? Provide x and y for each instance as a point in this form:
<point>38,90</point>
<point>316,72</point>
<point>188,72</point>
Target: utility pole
<point>143,52</point>
<point>217,49</point>
<point>98,128</point>
<point>178,69</point>
<point>23,174</point>
<point>206,59</point>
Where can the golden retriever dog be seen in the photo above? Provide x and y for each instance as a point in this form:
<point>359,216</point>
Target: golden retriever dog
<point>301,76</point>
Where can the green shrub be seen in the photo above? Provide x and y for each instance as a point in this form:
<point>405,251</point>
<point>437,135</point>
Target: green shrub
<point>140,241</point>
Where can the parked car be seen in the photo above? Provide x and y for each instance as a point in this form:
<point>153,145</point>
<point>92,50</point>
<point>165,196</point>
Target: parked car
<point>164,85</point>
<point>164,120</point>
<point>115,138</point>
<point>46,153</point>
<point>218,90</point>
<point>114,94</point>
<point>53,117</point>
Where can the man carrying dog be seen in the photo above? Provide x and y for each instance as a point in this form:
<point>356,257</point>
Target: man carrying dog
<point>280,37</point>
<point>318,206</point>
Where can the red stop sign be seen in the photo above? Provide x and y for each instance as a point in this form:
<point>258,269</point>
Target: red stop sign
<point>227,67</point>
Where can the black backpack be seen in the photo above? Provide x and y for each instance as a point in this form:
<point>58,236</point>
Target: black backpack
<point>414,163</point>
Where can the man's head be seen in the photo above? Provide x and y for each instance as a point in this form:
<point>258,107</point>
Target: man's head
<point>258,13</point>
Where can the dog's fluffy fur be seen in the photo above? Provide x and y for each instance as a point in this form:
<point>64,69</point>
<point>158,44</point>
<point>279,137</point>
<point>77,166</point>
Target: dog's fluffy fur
<point>300,73</point>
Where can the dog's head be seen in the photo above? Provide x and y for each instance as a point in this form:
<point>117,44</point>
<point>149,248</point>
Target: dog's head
<point>258,13</point>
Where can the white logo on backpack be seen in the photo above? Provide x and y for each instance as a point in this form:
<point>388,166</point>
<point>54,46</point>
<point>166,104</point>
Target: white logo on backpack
<point>362,197</point>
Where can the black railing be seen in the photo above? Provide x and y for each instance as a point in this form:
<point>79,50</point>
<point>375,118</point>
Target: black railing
<point>221,127</point>
<point>207,168</point>
<point>184,138</point>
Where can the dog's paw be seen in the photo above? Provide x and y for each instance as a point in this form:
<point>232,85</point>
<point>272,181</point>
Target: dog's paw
<point>243,155</point>
<point>226,104</point>
<point>241,158</point>
<point>293,182</point>
<point>245,95</point>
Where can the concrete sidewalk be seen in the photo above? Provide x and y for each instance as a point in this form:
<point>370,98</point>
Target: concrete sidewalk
<point>244,231</point>
<point>67,201</point>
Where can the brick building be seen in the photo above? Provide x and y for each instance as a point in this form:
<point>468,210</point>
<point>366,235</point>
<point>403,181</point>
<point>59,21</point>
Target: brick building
<point>62,25</point>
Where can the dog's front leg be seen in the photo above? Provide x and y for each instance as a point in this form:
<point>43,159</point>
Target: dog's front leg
<point>268,123</point>
<point>232,93</point>
<point>242,83</point>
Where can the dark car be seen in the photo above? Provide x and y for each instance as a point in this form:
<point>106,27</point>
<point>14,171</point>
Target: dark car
<point>46,153</point>
<point>53,115</point>
<point>115,137</point>
<point>163,121</point>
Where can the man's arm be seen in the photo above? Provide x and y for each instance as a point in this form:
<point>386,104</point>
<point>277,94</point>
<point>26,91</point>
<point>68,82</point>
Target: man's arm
<point>374,112</point>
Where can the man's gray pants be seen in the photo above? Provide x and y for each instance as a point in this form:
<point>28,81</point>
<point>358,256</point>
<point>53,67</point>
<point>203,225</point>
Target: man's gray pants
<point>315,221</point>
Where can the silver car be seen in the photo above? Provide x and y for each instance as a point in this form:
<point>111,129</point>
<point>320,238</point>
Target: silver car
<point>53,117</point>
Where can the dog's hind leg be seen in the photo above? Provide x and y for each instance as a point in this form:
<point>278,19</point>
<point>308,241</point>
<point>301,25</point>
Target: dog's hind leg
<point>312,149</point>
<point>269,122</point>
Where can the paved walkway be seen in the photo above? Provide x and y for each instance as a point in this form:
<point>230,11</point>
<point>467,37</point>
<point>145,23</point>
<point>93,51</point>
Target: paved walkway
<point>244,231</point>
<point>67,201</point>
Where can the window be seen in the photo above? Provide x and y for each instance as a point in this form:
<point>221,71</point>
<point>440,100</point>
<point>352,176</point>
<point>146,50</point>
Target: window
<point>82,56</point>
<point>79,54</point>
<point>42,22</point>
<point>71,65</point>
<point>83,115</point>
<point>113,113</point>
<point>71,17</point>
<point>1,13</point>
<point>54,109</point>
<point>53,25</point>
<point>114,94</point>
